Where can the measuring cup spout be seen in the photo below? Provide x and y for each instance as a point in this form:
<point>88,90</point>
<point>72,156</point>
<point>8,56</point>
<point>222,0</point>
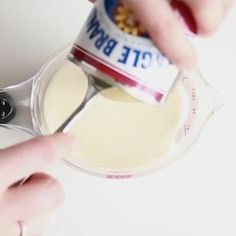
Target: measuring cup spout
<point>217,100</point>
<point>15,109</point>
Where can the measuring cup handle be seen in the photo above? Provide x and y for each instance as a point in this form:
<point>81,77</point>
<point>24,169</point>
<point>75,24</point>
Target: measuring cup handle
<point>15,109</point>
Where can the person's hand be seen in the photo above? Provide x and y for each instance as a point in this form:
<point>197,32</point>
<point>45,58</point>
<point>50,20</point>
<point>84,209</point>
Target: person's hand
<point>159,19</point>
<point>40,194</point>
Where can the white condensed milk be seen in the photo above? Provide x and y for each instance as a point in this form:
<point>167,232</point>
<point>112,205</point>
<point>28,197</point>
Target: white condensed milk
<point>117,132</point>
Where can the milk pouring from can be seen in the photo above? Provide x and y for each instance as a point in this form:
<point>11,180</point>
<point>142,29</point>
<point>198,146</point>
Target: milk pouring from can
<point>114,46</point>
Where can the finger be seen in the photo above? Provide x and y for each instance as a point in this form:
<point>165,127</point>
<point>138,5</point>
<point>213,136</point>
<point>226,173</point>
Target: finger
<point>159,20</point>
<point>37,196</point>
<point>34,226</point>
<point>207,13</point>
<point>24,159</point>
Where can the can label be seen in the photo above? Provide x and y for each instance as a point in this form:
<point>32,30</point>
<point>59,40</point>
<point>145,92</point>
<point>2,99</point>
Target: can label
<point>115,43</point>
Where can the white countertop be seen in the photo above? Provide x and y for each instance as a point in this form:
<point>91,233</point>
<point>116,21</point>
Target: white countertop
<point>193,197</point>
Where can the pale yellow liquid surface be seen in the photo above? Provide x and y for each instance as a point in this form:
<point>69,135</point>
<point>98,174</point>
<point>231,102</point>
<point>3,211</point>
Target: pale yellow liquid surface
<point>116,132</point>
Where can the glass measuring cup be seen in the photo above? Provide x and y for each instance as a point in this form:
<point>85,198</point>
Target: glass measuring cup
<point>22,107</point>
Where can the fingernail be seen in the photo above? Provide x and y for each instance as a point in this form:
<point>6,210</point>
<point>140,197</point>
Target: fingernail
<point>68,143</point>
<point>72,141</point>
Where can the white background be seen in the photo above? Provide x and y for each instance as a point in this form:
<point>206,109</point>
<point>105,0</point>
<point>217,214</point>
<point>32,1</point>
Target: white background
<point>196,196</point>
